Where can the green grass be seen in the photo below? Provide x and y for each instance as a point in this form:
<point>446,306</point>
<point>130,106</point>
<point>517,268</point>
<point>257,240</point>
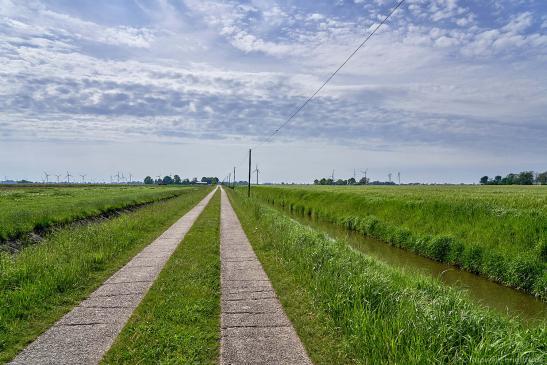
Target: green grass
<point>25,209</point>
<point>350,308</point>
<point>43,282</point>
<point>178,322</point>
<point>498,232</point>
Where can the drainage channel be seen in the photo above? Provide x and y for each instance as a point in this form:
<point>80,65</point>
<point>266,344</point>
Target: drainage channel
<point>504,299</point>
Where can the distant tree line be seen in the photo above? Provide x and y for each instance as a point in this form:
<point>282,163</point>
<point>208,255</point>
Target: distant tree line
<point>176,180</point>
<point>350,181</point>
<point>524,178</point>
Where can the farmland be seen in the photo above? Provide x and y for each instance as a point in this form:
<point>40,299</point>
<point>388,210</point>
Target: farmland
<point>42,282</point>
<point>350,308</point>
<point>346,306</point>
<point>498,232</point>
<point>25,209</point>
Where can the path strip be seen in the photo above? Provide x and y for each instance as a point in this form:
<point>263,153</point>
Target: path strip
<point>84,334</point>
<point>254,327</point>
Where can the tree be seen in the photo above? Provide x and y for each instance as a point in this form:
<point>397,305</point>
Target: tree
<point>497,180</point>
<point>351,181</point>
<point>148,180</point>
<point>341,182</point>
<point>185,182</point>
<point>526,178</point>
<point>323,181</point>
<point>484,180</point>
<point>176,179</point>
<point>315,182</point>
<point>167,180</point>
<point>542,178</point>
<point>363,181</point>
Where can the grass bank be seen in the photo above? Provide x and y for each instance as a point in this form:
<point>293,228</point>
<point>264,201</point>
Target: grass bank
<point>179,319</point>
<point>25,209</point>
<point>498,232</point>
<point>350,308</point>
<point>43,282</point>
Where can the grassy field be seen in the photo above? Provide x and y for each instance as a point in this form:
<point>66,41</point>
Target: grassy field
<point>499,232</point>
<point>178,321</point>
<point>350,308</point>
<point>43,282</point>
<point>25,209</point>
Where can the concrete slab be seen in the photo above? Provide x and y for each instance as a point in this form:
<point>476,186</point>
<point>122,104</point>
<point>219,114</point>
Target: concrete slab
<point>84,334</point>
<point>115,301</point>
<point>262,346</point>
<point>254,327</point>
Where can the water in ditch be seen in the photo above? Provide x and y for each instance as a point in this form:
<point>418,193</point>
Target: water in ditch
<point>513,302</point>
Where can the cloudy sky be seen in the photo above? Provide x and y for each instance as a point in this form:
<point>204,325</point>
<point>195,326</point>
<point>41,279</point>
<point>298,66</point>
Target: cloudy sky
<point>448,90</point>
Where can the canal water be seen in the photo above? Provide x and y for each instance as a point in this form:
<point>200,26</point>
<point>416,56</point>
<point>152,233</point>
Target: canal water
<point>510,301</point>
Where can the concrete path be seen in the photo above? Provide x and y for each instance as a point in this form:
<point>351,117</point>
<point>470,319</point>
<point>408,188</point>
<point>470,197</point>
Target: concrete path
<point>255,330</point>
<point>85,334</point>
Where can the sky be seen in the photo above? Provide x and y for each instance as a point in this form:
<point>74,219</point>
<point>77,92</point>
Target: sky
<point>446,91</point>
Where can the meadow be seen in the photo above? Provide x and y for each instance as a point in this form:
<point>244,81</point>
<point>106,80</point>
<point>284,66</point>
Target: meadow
<point>496,231</point>
<point>25,209</point>
<point>42,282</point>
<point>350,308</point>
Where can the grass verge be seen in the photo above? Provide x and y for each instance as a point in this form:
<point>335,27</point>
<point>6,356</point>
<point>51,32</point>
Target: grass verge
<point>498,233</point>
<point>351,308</point>
<point>43,282</point>
<point>26,209</point>
<point>178,322</point>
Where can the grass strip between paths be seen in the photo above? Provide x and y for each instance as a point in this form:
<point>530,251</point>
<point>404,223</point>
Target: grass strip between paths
<point>178,322</point>
<point>43,282</point>
<point>350,308</point>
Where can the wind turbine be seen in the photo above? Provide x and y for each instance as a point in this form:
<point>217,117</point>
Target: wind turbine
<point>83,177</point>
<point>399,177</point>
<point>389,176</point>
<point>130,178</point>
<point>118,176</point>
<point>47,176</point>
<point>68,177</point>
<point>58,176</point>
<point>123,177</point>
<point>257,171</point>
<point>332,177</point>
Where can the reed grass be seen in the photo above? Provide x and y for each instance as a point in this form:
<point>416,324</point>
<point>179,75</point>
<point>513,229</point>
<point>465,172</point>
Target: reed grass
<point>497,232</point>
<point>376,313</point>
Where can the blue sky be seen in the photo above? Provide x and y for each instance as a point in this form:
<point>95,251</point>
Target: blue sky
<point>448,90</point>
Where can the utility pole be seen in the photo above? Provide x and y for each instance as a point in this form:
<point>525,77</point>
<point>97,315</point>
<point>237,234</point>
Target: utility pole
<point>234,186</point>
<point>399,177</point>
<point>249,183</point>
<point>229,179</point>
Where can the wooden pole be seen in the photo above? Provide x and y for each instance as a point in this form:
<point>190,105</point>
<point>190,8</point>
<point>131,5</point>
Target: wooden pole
<point>249,181</point>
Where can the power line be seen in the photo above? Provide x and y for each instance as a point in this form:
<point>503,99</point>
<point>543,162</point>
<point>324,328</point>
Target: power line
<point>331,76</point>
<point>303,105</point>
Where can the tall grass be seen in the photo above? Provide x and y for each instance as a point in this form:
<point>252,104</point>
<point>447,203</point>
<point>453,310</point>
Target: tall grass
<point>42,282</point>
<point>498,232</point>
<point>381,314</point>
<point>25,209</point>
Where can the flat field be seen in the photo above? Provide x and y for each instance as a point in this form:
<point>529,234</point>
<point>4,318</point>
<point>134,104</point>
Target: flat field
<point>499,232</point>
<point>24,209</point>
<point>349,308</point>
